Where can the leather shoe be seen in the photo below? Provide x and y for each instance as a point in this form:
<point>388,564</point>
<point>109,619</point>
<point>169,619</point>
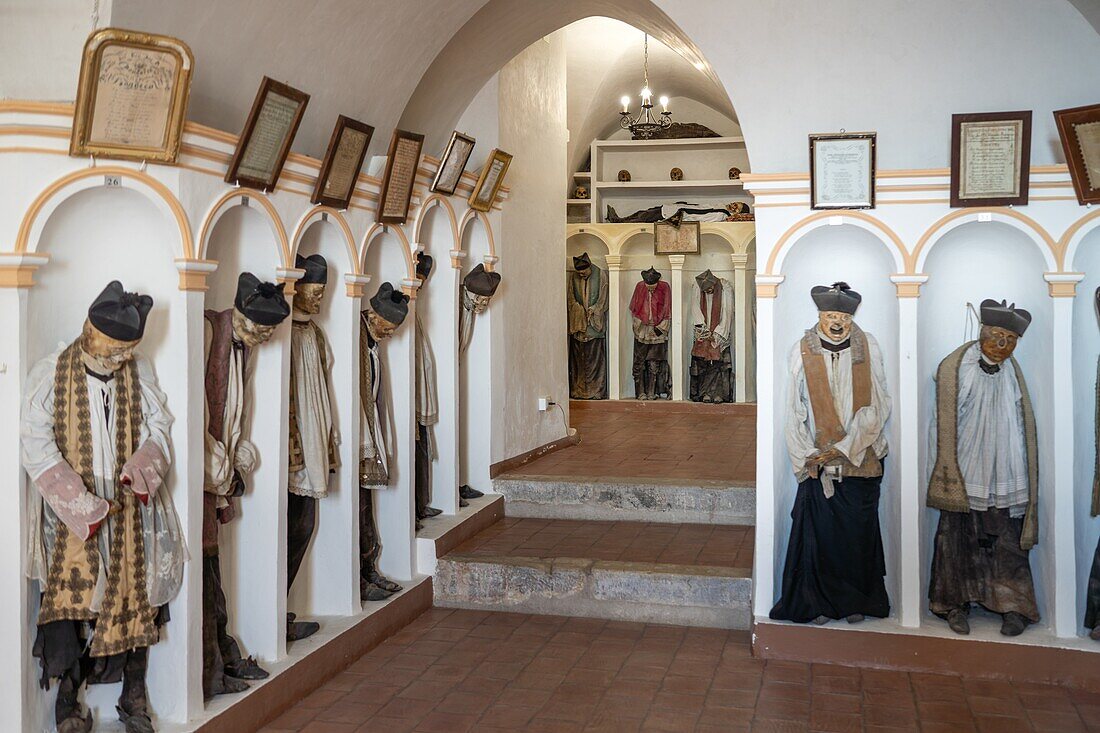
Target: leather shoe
<point>246,669</point>
<point>431,511</point>
<point>383,582</point>
<point>76,723</point>
<point>855,618</point>
<point>1013,624</point>
<point>462,502</point>
<point>467,492</point>
<point>136,722</point>
<point>371,592</point>
<point>957,620</point>
<point>298,630</point>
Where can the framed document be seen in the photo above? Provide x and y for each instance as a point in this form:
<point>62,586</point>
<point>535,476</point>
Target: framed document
<point>397,183</point>
<point>1079,129</point>
<point>265,142</point>
<point>453,163</point>
<point>669,239</point>
<point>489,182</point>
<point>990,158</point>
<point>132,97</point>
<point>343,159</point>
<point>842,170</point>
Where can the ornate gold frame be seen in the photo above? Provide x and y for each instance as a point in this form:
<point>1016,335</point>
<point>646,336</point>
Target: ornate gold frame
<point>497,154</point>
<point>94,47</point>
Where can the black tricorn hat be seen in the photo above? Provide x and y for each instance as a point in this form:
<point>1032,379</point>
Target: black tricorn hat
<point>583,262</point>
<point>651,276</point>
<point>316,268</point>
<point>837,297</point>
<point>480,281</point>
<point>1005,316</point>
<point>118,314</point>
<point>391,305</point>
<point>260,302</point>
<point>424,263</point>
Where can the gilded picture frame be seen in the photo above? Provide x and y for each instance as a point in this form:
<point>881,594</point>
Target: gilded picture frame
<point>453,163</point>
<point>669,239</point>
<point>343,160</point>
<point>990,158</point>
<point>842,170</point>
<point>490,180</point>
<point>1079,129</point>
<point>402,161</point>
<point>131,99</point>
<point>268,133</point>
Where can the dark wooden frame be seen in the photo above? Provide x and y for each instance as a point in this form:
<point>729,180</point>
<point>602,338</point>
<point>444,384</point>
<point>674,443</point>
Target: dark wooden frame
<point>472,201</point>
<point>267,86</point>
<point>697,226</point>
<point>342,123</point>
<point>455,136</point>
<point>828,137</point>
<point>1066,119</point>
<point>398,134</point>
<point>957,121</point>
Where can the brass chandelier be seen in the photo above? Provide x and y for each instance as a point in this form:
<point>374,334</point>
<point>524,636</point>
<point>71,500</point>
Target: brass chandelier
<point>645,125</point>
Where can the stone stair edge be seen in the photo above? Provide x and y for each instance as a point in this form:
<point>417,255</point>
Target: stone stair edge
<point>515,478</point>
<point>549,564</point>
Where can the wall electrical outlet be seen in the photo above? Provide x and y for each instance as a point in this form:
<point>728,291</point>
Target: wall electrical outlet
<point>545,403</point>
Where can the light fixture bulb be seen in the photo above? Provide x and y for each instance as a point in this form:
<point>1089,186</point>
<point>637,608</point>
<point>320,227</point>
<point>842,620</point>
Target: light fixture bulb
<point>625,101</point>
<point>647,92</point>
<point>664,101</point>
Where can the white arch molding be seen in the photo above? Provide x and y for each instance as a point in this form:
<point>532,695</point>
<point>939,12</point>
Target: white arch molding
<point>241,197</point>
<point>1036,234</point>
<point>800,229</point>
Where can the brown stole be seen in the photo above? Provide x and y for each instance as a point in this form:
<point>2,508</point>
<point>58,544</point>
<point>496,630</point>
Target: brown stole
<point>705,348</point>
<point>124,620</point>
<point>827,425</point>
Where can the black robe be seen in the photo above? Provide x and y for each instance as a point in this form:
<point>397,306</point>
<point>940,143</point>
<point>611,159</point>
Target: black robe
<point>835,565</point>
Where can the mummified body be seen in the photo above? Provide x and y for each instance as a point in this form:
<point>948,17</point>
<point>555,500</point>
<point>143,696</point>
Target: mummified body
<point>651,311</point>
<point>1092,591</point>
<point>105,544</point>
<point>387,311</point>
<point>230,457</point>
<point>587,310</point>
<point>427,406</point>
<point>985,478</point>
<point>712,317</point>
<point>313,437</point>
<point>836,411</point>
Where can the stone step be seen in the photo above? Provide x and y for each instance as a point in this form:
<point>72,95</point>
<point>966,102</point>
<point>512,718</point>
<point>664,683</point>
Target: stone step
<point>689,575</point>
<point>630,500</point>
<point>684,595</point>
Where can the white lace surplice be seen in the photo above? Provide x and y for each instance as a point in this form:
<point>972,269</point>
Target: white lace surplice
<point>314,413</point>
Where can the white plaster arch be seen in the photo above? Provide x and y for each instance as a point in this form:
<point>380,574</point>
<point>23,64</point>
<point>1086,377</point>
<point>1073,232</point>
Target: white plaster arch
<point>28,240</point>
<point>238,197</point>
<point>868,223</point>
<point>490,259</point>
<point>410,283</point>
<point>1074,235</point>
<point>318,212</point>
<point>935,233</point>
<point>610,245</point>
<point>433,201</point>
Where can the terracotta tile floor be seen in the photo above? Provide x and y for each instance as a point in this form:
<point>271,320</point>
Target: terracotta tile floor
<point>648,542</point>
<point>656,444</point>
<point>456,671</point>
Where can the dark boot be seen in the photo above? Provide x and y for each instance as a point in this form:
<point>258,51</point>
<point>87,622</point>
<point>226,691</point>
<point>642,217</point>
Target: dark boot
<point>1013,624</point>
<point>431,511</point>
<point>70,715</point>
<point>468,492</point>
<point>246,669</point>
<point>133,703</point>
<point>462,502</point>
<point>297,630</point>
<point>371,592</point>
<point>957,620</point>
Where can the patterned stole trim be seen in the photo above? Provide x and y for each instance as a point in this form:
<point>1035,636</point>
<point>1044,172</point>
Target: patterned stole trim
<point>124,620</point>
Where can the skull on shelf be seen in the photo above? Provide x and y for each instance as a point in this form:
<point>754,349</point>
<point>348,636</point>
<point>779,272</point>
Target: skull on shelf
<point>676,174</point>
<point>580,192</point>
<point>735,173</point>
<point>624,176</point>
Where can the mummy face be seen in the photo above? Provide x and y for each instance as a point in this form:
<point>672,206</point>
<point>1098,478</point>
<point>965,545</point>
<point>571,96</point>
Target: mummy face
<point>835,324</point>
<point>308,297</point>
<point>248,332</point>
<point>996,343</point>
<point>103,354</point>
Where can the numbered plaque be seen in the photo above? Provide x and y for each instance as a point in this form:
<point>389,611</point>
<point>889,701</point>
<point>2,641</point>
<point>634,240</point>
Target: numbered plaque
<point>343,160</point>
<point>132,97</point>
<point>267,136</point>
<point>990,159</point>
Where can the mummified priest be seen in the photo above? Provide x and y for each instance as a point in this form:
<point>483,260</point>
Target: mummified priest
<point>587,311</point>
<point>712,323</point>
<point>105,543</point>
<point>229,338</point>
<point>1092,595</point>
<point>388,309</point>
<point>651,316</point>
<point>427,405</point>
<point>985,478</point>
<point>837,406</point>
<point>313,435</point>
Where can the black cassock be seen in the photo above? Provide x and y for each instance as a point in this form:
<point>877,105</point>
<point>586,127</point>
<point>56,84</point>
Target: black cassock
<point>834,566</point>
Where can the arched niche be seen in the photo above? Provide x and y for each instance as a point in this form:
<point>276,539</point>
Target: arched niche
<point>92,237</point>
<point>823,256</point>
<point>714,255</point>
<point>478,432</point>
<point>581,242</point>
<point>1086,351</point>
<point>477,240</point>
<point>242,238</point>
<point>636,255</point>
<point>386,257</point>
<point>327,583</point>
<point>967,264</point>
<point>429,225</point>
